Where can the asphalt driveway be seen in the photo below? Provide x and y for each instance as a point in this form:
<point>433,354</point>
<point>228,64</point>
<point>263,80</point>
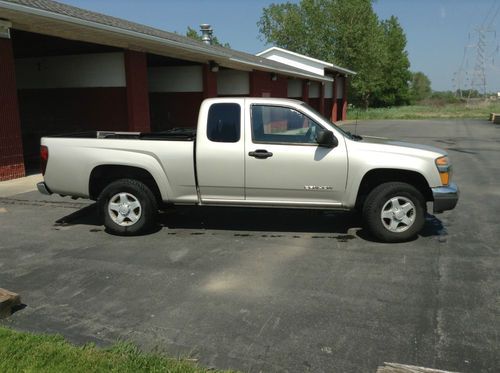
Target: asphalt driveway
<point>274,290</point>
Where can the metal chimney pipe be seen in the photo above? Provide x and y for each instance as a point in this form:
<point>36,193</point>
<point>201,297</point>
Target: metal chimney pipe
<point>206,33</point>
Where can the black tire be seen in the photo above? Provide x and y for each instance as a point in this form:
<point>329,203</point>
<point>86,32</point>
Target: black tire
<point>132,202</point>
<point>385,216</point>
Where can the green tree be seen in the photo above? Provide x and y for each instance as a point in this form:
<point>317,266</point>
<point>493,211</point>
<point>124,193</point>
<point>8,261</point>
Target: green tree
<point>287,26</point>
<point>193,34</point>
<point>347,33</point>
<point>396,67</point>
<point>420,87</point>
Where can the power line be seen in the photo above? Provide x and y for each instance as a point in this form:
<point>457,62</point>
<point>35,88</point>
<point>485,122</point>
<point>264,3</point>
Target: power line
<point>489,12</point>
<point>494,16</point>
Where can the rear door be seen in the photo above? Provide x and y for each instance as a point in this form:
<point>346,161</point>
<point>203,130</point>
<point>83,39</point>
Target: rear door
<point>220,161</point>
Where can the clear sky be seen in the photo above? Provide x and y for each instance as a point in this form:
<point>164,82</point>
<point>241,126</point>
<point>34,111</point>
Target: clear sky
<point>438,31</point>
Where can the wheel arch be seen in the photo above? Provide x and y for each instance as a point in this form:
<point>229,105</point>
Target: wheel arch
<point>375,177</point>
<point>103,175</point>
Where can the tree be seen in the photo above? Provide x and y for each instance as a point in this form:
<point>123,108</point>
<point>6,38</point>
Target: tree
<point>420,87</point>
<point>347,33</point>
<point>286,25</point>
<point>193,34</point>
<point>396,66</point>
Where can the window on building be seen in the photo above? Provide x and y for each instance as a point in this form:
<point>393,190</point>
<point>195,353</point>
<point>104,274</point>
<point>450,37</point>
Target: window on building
<point>224,122</point>
<point>277,124</point>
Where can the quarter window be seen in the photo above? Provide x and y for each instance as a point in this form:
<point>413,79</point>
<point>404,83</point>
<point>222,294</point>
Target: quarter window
<point>277,124</point>
<point>224,122</point>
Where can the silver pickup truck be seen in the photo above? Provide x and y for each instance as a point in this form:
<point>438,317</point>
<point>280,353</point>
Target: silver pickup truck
<point>255,152</point>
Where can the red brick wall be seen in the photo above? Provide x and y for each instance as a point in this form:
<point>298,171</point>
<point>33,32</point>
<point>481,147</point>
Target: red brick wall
<point>136,73</point>
<point>322,98</point>
<point>305,91</point>
<point>344,99</point>
<point>334,111</point>
<point>328,107</point>
<point>11,147</point>
<point>262,85</point>
<point>279,87</point>
<point>209,82</point>
<point>174,109</point>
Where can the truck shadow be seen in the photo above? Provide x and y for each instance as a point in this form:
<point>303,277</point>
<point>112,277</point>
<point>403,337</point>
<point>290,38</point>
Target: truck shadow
<point>255,220</point>
<point>258,219</point>
<point>89,215</point>
<point>280,221</point>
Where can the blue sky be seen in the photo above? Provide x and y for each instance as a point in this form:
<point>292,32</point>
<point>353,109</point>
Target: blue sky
<point>438,31</point>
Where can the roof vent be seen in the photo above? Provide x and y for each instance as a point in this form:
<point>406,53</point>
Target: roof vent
<point>206,33</point>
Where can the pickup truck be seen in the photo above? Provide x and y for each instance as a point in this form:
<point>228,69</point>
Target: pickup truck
<point>251,152</point>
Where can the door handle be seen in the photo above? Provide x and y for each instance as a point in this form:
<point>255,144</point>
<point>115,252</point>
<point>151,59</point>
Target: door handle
<point>260,154</point>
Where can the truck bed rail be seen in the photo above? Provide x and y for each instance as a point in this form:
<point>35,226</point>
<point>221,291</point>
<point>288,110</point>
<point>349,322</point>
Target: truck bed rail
<point>175,134</point>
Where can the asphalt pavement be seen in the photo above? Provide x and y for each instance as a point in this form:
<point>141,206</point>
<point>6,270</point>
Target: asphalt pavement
<point>274,290</point>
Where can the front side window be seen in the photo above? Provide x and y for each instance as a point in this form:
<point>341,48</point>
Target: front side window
<point>224,122</point>
<point>278,124</point>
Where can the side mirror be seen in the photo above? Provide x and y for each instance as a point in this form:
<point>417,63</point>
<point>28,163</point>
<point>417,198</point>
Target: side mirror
<point>326,139</point>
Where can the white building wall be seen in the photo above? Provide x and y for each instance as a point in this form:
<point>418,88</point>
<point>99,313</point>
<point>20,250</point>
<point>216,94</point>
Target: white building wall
<point>233,82</point>
<point>74,71</point>
<point>175,79</point>
<point>314,90</point>
<point>328,89</point>
<point>294,88</point>
<point>296,61</point>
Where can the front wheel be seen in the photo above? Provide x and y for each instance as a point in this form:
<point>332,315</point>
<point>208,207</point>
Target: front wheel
<point>128,206</point>
<point>394,212</point>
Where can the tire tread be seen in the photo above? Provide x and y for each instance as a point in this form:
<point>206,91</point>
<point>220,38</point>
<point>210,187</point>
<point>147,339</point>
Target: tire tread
<point>374,202</point>
<point>148,202</point>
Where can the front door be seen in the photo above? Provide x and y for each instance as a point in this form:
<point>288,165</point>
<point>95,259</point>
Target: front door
<point>285,165</point>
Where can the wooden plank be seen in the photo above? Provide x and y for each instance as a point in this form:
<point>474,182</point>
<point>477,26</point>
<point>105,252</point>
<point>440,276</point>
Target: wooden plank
<point>402,368</point>
<point>8,300</point>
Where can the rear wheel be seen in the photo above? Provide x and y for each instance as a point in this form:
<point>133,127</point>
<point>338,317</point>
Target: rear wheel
<point>128,206</point>
<point>394,211</point>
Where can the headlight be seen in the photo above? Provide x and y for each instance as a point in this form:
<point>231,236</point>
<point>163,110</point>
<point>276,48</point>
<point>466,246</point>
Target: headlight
<point>444,167</point>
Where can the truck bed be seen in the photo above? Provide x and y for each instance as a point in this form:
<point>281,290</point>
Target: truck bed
<point>175,134</point>
<point>168,156</point>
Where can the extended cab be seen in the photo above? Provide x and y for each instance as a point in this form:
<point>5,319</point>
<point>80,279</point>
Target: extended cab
<point>251,152</point>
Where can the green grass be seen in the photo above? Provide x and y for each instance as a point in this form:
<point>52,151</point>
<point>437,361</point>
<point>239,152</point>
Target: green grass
<point>445,111</point>
<point>27,352</point>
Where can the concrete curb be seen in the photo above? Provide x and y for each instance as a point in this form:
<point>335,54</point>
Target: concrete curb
<point>8,300</point>
<point>403,368</point>
<point>26,184</point>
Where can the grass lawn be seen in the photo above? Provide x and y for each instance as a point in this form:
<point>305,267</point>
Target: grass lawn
<point>480,110</point>
<point>45,353</point>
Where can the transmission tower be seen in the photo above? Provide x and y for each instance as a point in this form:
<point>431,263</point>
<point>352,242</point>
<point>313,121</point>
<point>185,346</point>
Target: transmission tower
<point>478,79</point>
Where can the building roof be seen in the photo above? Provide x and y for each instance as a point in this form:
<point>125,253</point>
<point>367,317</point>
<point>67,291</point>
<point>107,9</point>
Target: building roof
<point>271,51</point>
<point>61,20</point>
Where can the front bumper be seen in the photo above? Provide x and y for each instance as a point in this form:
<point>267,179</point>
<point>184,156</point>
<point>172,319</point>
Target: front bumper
<point>42,188</point>
<point>445,197</point>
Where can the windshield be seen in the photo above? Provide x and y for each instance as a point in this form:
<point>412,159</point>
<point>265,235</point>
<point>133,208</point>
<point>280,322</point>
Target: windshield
<point>346,133</point>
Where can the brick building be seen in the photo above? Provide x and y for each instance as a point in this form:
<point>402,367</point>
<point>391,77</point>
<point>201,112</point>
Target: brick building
<point>65,69</point>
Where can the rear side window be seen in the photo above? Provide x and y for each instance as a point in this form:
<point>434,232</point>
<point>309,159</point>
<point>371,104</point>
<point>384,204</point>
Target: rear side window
<point>224,122</point>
